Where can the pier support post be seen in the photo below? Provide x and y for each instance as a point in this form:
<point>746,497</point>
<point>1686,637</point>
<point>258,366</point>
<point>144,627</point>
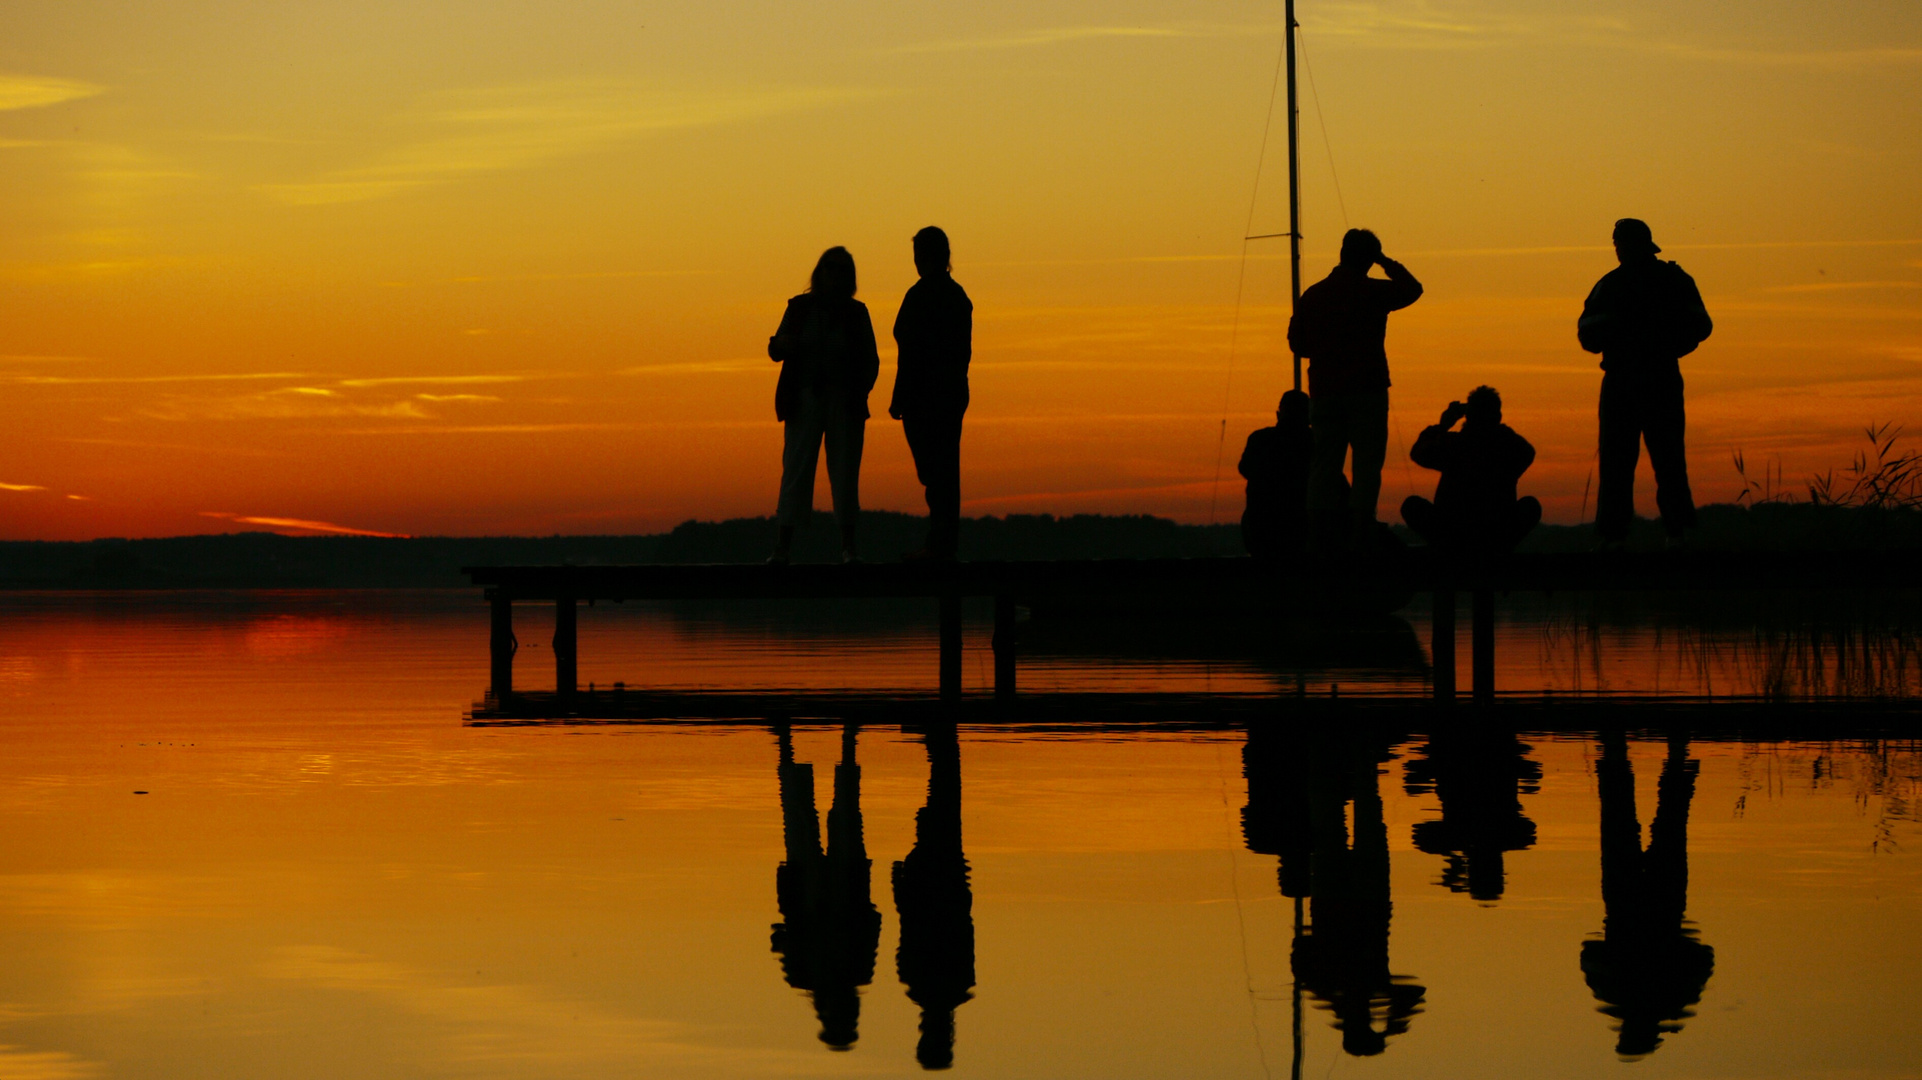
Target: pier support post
<point>1441,644</point>
<point>1004,649</point>
<point>566,668</point>
<point>950,646</point>
<point>501,644</point>
<point>1483,645</point>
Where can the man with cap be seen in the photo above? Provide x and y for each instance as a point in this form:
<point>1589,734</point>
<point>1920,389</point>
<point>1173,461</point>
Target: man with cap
<point>1643,317</point>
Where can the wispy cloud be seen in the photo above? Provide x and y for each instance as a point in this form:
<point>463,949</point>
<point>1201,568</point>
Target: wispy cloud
<point>17,1063</point>
<point>458,135</point>
<point>1843,286</point>
<point>33,91</point>
<point>21,487</point>
<point>285,403</point>
<point>91,380</point>
<point>700,367</point>
<point>457,397</point>
<point>297,524</point>
<point>433,380</point>
<point>1057,35</point>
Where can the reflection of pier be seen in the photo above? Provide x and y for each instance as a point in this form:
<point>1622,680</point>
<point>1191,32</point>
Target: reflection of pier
<point>1191,588</point>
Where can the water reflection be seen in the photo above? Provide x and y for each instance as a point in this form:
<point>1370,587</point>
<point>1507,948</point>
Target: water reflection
<point>1478,770</point>
<point>936,905</point>
<point>1648,968</point>
<point>829,929</point>
<point>1301,788</point>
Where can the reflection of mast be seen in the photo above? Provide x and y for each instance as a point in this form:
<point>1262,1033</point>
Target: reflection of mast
<point>936,905</point>
<point>1647,968</point>
<point>829,928</point>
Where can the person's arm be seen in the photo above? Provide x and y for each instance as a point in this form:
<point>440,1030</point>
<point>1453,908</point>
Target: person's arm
<point>1431,448</point>
<point>867,357</point>
<point>965,328</point>
<point>1597,323</point>
<point>1692,324</point>
<point>780,347</point>
<point>905,322</point>
<point>1250,456</point>
<point>1406,290</point>
<point>1524,453</point>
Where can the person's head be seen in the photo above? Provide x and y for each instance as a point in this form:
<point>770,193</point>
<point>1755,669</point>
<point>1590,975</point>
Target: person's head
<point>1484,405</point>
<point>833,274</point>
<point>1633,240</point>
<point>1359,249</point>
<point>931,252</point>
<point>1293,410</point>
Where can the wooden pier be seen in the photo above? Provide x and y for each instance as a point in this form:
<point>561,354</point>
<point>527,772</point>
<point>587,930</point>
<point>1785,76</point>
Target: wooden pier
<point>1175,588</point>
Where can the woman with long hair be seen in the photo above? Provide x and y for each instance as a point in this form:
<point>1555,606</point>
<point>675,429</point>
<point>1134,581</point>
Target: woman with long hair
<point>825,346</point>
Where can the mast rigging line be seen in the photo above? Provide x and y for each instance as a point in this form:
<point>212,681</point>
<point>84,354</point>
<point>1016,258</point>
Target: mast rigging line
<point>1241,274</point>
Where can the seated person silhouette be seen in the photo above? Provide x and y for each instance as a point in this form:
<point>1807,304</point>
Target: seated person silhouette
<point>1275,463</point>
<point>1475,511</point>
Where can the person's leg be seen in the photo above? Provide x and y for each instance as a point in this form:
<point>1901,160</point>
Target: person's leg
<point>1368,436</point>
<point>1664,427</point>
<point>1619,449</point>
<point>1327,491</point>
<point>846,432</point>
<point>800,456</point>
<point>1420,515</point>
<point>944,488</point>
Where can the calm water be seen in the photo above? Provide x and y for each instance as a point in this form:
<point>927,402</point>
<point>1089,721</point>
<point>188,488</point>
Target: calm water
<point>331,874</point>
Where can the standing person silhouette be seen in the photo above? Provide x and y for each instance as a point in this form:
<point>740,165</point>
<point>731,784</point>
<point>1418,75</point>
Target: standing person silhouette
<point>935,332</point>
<point>1341,326</point>
<point>1643,317</point>
<point>825,346</point>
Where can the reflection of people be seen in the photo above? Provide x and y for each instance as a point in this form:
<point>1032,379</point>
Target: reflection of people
<point>1275,463</point>
<point>935,332</point>
<point>1341,324</point>
<point>1643,317</point>
<point>1298,798</point>
<point>1648,968</point>
<point>936,905</point>
<point>1479,774</point>
<point>829,929</point>
<point>825,346</point>
<point>1276,820</point>
<point>1475,509</point>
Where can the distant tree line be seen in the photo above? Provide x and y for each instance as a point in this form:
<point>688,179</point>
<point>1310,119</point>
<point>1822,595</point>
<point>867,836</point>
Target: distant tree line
<point>268,560</point>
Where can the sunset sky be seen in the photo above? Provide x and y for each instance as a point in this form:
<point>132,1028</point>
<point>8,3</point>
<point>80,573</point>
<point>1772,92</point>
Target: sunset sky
<point>489,267</point>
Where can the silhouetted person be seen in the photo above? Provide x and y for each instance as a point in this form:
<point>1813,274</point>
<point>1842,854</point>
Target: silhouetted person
<point>1342,956</point>
<point>1475,511</point>
<point>825,346</point>
<point>1341,325</point>
<point>1643,317</point>
<point>1648,968</point>
<point>830,929</point>
<point>936,905</point>
<point>1277,820</point>
<point>1275,463</point>
<point>935,332</point>
<point>1479,773</point>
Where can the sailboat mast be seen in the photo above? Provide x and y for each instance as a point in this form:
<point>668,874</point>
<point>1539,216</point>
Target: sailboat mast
<point>1294,183</point>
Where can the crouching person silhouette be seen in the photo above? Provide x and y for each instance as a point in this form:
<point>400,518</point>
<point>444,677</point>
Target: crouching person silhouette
<point>1276,464</point>
<point>825,346</point>
<point>1475,512</point>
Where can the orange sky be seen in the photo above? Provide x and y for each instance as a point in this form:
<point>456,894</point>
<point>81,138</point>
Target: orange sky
<point>486,268</point>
